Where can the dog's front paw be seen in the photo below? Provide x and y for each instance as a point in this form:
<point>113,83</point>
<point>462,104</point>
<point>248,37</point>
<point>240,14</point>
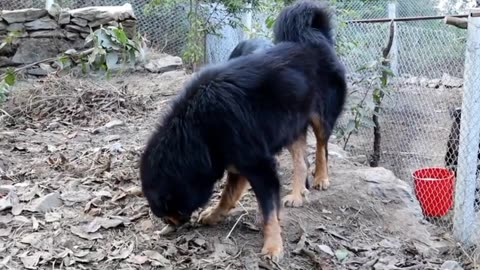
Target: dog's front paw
<point>321,184</point>
<point>210,216</point>
<point>273,251</point>
<point>293,200</point>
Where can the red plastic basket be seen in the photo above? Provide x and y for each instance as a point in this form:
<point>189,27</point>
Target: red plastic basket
<point>434,190</point>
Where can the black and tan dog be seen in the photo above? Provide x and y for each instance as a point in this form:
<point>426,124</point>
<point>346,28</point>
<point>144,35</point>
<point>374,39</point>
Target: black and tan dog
<point>237,116</point>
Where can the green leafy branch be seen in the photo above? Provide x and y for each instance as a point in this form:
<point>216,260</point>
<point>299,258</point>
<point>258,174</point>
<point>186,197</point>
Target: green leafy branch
<point>201,23</point>
<point>111,51</point>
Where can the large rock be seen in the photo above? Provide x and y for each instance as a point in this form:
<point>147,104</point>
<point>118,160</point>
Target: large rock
<point>72,35</point>
<point>5,61</point>
<point>164,63</point>
<point>64,17</point>
<point>76,28</point>
<point>15,27</point>
<point>23,15</point>
<point>45,23</point>
<point>80,22</point>
<point>130,28</point>
<point>29,52</point>
<point>3,26</point>
<point>109,13</point>
<point>47,34</point>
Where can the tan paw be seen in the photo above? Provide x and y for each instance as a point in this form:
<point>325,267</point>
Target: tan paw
<point>273,251</point>
<point>293,200</point>
<point>321,184</point>
<point>210,216</point>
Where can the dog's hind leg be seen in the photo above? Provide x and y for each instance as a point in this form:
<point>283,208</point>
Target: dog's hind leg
<point>266,186</point>
<point>321,166</point>
<point>235,187</point>
<point>300,173</point>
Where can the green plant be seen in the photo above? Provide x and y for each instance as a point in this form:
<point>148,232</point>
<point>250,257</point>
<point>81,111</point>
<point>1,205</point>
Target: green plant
<point>202,22</point>
<point>111,50</point>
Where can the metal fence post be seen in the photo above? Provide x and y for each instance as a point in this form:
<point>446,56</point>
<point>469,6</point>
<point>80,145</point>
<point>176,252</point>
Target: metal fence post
<point>392,14</point>
<point>464,216</point>
<point>248,20</point>
<point>49,4</point>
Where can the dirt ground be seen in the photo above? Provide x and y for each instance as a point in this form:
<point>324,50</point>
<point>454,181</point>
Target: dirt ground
<point>69,194</point>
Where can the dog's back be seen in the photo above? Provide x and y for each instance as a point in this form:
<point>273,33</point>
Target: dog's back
<point>250,46</point>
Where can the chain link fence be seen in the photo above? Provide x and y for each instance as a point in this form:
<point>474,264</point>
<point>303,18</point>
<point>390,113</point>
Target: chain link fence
<point>419,124</point>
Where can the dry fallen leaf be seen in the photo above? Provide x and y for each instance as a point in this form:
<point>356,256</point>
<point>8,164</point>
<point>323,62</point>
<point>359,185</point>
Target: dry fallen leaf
<point>90,257</point>
<point>137,259</point>
<point>9,201</point>
<point>46,203</point>
<point>99,222</point>
<point>78,231</point>
<point>6,231</point>
<point>32,238</point>
<point>326,249</point>
<point>52,216</point>
<point>5,219</point>
<point>122,253</point>
<point>71,197</point>
<point>30,262</point>
<point>156,259</point>
<point>103,193</point>
<point>35,223</point>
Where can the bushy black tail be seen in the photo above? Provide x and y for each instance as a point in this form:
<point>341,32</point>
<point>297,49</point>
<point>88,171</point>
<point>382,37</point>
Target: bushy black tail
<point>306,21</point>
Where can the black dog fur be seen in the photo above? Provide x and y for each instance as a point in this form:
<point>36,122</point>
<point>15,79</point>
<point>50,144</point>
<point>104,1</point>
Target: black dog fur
<point>241,113</point>
<point>249,46</point>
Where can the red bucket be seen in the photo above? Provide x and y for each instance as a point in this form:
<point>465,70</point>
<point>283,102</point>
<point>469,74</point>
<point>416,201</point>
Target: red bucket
<point>434,190</point>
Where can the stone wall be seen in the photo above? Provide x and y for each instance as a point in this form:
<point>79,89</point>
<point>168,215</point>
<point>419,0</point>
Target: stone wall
<point>48,33</point>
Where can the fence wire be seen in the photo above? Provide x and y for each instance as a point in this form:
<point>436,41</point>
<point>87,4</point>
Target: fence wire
<point>419,123</point>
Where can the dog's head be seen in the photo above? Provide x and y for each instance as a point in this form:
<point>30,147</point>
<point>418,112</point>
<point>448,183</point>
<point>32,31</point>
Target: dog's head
<point>175,184</point>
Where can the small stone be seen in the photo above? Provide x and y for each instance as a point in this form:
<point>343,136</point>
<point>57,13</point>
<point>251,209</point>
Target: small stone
<point>114,123</point>
<point>423,81</point>
<point>64,17</point>
<point>451,82</point>
<point>111,138</point>
<point>15,27</point>
<point>164,64</point>
<point>84,35</point>
<point>23,15</point>
<point>45,23</point>
<point>79,22</point>
<point>434,83</point>
<point>412,81</point>
<point>3,26</point>
<point>37,72</point>
<point>76,28</point>
<point>451,265</point>
<point>47,34</point>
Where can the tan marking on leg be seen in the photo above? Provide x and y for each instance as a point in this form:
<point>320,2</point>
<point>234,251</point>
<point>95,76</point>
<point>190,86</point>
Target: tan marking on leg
<point>232,192</point>
<point>297,151</point>
<point>272,242</point>
<point>321,167</point>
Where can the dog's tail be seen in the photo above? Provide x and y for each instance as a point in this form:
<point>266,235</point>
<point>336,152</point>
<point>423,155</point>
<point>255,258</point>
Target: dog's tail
<point>306,21</point>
